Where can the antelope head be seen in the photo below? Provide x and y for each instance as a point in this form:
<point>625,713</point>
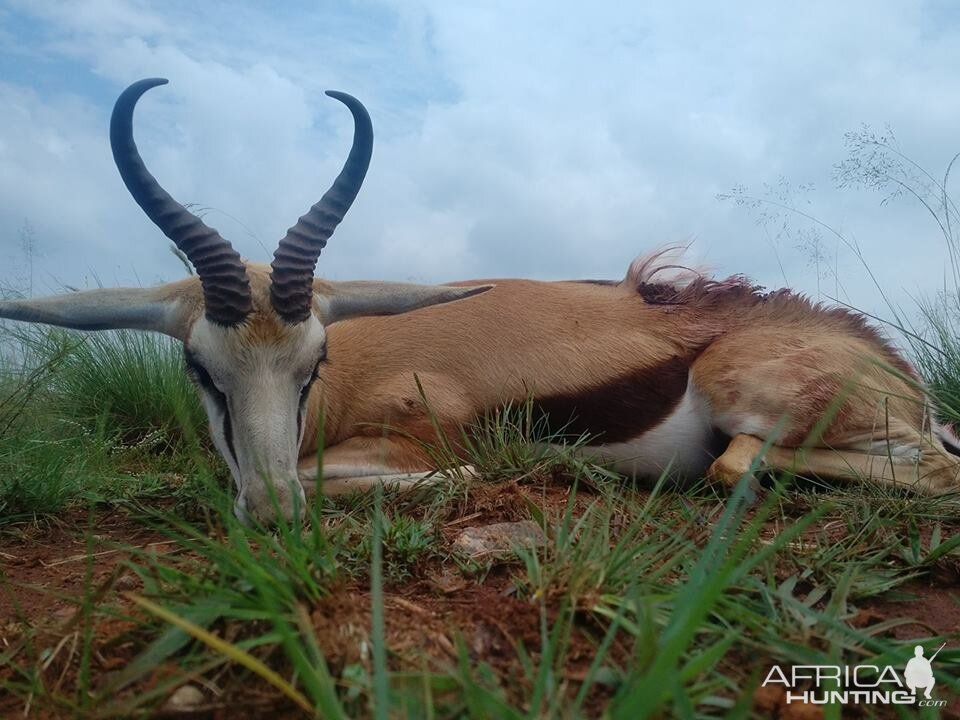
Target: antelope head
<point>253,337</point>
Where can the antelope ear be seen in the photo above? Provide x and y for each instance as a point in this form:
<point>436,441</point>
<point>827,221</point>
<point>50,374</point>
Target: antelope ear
<point>105,309</point>
<point>342,300</point>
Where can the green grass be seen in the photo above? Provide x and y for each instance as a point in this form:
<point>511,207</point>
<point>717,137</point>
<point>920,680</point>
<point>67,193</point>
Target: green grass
<point>669,605</point>
<point>638,603</point>
<point>108,416</point>
<point>936,350</point>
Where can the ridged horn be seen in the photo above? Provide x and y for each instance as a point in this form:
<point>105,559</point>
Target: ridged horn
<point>226,290</point>
<point>294,262</point>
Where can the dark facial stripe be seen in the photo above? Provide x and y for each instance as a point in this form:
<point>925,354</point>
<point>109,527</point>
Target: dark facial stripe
<point>621,409</point>
<point>203,379</point>
<point>305,392</point>
<point>303,400</point>
<point>200,375</point>
<point>228,435</point>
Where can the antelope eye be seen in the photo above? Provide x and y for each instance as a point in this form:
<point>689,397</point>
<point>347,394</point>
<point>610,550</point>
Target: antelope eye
<point>314,374</point>
<point>199,373</point>
<point>321,358</point>
<point>305,391</point>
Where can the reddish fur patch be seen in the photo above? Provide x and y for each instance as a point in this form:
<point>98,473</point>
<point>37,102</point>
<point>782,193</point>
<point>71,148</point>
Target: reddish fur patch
<point>737,294</point>
<point>702,291</point>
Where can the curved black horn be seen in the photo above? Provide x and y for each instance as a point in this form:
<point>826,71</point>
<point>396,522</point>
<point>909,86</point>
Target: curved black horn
<point>291,287</point>
<point>226,290</point>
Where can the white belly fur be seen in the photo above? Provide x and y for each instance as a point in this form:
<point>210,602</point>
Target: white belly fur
<point>682,443</point>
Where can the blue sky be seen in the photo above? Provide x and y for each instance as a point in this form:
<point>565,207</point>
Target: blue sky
<point>538,139</point>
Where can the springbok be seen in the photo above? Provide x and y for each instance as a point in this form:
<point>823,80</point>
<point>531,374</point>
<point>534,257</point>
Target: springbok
<point>667,368</point>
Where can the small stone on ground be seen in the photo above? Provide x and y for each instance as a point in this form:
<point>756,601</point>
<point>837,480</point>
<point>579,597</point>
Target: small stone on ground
<point>185,697</point>
<point>498,538</point>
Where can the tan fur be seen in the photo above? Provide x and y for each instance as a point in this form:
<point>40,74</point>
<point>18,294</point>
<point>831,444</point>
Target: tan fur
<point>496,347</point>
<point>262,327</point>
<point>769,366</point>
<point>774,363</point>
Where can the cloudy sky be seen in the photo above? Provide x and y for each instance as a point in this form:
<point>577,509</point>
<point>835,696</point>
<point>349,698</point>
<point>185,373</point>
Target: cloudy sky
<point>541,139</point>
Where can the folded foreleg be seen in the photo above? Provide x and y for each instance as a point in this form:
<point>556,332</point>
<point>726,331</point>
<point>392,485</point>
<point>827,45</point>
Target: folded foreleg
<point>362,463</point>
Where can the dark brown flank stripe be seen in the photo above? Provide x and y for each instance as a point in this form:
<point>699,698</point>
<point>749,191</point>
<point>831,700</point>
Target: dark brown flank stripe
<point>621,409</point>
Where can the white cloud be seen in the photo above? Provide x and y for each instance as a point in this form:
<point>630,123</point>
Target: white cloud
<point>540,139</point>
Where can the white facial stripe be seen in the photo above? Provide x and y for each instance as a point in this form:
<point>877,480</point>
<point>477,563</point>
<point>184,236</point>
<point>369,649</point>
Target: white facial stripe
<point>254,397</point>
<point>220,430</point>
